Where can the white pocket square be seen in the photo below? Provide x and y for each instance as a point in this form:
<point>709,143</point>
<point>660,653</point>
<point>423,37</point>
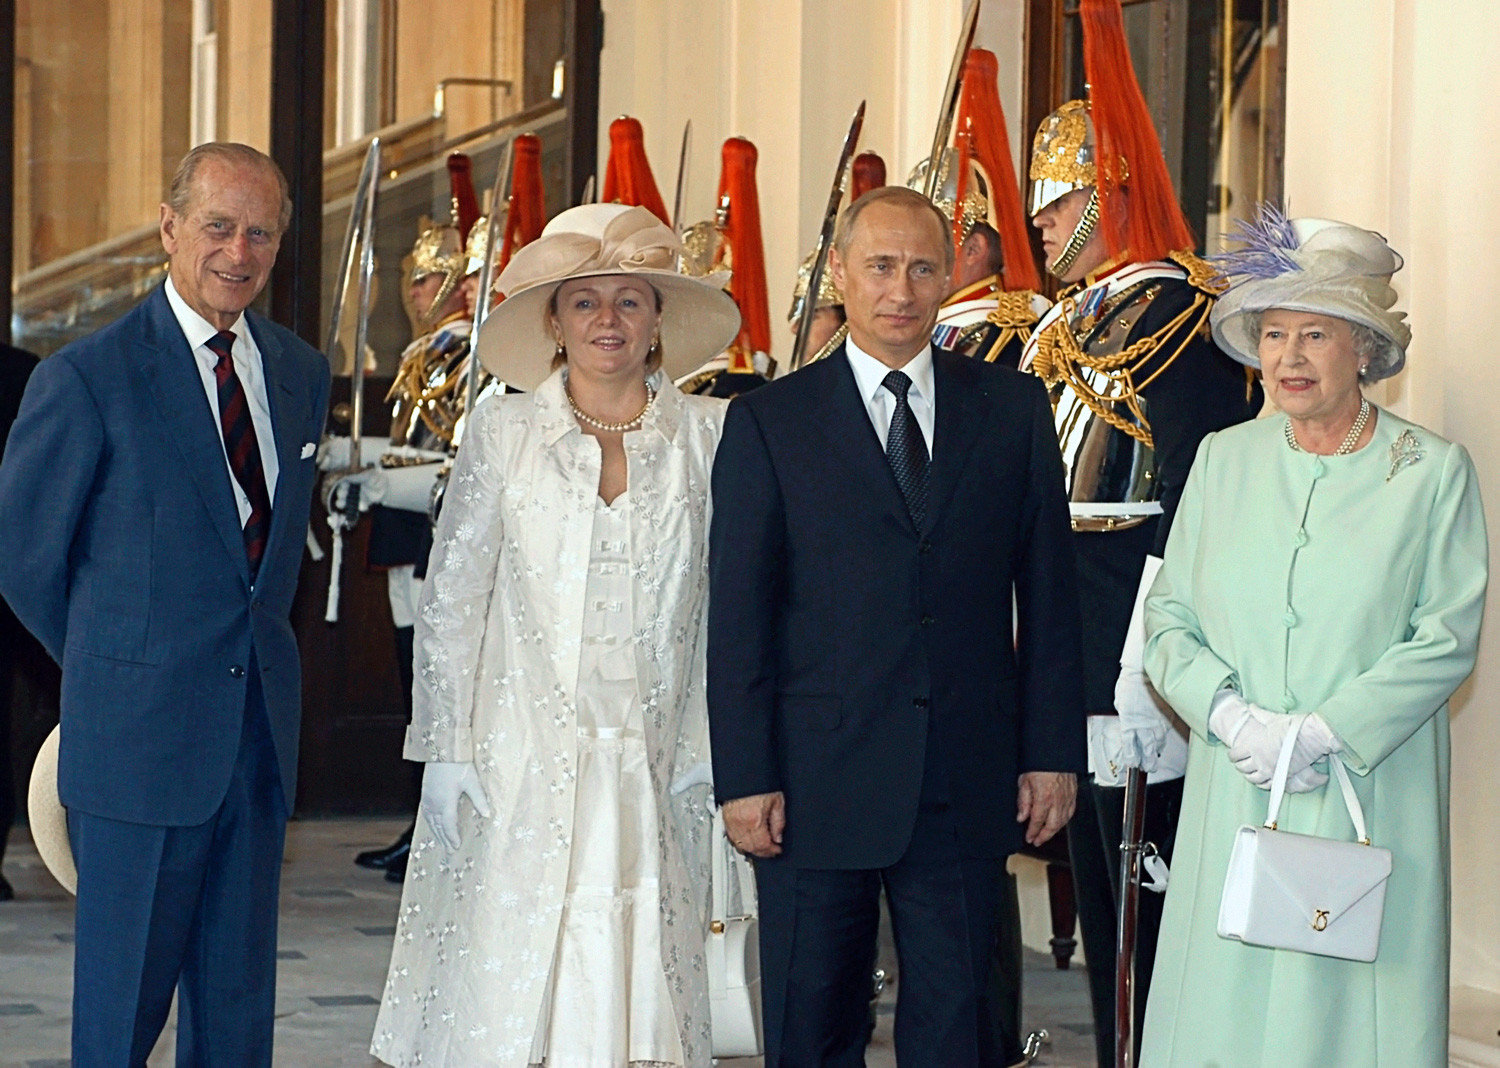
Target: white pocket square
<point>308,449</point>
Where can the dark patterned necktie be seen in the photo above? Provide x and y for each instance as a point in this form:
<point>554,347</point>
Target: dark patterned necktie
<point>242,447</point>
<point>906,449</point>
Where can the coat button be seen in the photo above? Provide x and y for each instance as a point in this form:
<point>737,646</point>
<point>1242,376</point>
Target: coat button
<point>1300,538</point>
<point>1317,468</point>
<point>928,621</point>
<point>919,702</point>
<point>1290,618</point>
<point>925,548</point>
<point>237,671</point>
<point>1288,700</point>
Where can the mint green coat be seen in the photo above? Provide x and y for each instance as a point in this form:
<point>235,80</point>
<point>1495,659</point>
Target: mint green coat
<point>1316,584</point>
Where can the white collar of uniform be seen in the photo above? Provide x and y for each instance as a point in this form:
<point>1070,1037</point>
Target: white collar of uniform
<point>195,328</point>
<point>869,373</point>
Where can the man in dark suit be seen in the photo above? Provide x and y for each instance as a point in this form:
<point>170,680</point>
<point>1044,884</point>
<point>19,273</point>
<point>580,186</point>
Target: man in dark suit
<point>877,721</point>
<point>16,366</point>
<point>167,463</point>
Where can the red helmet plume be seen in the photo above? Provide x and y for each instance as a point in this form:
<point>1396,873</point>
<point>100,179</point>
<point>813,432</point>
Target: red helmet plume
<point>1150,224</point>
<point>627,175</point>
<point>982,135</point>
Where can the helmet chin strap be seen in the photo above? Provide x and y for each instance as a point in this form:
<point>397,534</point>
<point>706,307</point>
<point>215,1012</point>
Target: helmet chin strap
<point>1088,222</point>
<point>430,316</point>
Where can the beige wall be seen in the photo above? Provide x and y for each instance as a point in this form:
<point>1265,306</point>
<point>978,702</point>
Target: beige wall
<point>788,75</point>
<point>1391,124</point>
<point>428,50</point>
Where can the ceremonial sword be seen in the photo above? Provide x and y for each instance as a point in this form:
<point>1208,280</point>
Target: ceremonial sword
<point>825,237</point>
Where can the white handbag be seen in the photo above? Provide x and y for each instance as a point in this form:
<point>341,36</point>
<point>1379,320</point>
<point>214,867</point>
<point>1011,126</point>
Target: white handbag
<point>1302,892</point>
<point>733,952</point>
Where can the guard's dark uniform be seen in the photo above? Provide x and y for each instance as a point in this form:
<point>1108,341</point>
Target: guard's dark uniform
<point>1137,382</point>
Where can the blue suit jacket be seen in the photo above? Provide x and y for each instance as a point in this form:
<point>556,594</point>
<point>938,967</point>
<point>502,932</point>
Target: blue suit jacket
<point>843,640</point>
<point>130,565</point>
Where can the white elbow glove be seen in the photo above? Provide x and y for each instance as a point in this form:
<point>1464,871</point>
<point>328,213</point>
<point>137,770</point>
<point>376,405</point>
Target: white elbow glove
<point>442,785</point>
<point>1143,724</point>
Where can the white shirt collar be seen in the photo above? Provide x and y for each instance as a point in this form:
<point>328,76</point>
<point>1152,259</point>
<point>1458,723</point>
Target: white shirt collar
<point>869,373</point>
<point>195,328</point>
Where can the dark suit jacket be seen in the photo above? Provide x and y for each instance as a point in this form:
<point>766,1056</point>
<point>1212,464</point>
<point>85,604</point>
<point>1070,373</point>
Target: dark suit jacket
<point>843,640</point>
<point>131,568</point>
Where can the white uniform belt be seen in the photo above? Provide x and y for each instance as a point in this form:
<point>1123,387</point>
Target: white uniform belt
<point>1088,509</point>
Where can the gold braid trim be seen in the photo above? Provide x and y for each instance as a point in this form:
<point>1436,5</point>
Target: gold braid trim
<point>1013,309</point>
<point>1059,360</point>
<point>428,401</point>
<point>1201,275</point>
<point>697,382</point>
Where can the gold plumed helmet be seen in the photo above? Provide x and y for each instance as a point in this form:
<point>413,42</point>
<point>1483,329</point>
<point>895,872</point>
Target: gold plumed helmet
<point>704,250</point>
<point>478,245</point>
<point>437,250</point>
<point>828,293</point>
<point>1063,155</point>
<point>976,207</point>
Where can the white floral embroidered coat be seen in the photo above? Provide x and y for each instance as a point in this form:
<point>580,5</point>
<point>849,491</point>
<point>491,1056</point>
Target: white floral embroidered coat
<point>498,644</point>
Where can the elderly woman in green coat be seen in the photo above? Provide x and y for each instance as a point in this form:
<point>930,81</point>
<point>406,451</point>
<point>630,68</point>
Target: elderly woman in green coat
<point>1328,560</point>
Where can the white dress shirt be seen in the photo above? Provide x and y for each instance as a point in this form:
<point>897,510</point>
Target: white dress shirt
<point>869,374</point>
<point>199,331</point>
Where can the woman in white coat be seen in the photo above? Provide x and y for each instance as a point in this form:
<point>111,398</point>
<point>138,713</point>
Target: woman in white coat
<point>556,900</point>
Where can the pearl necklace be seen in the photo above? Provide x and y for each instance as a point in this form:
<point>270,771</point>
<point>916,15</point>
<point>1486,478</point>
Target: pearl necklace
<point>1350,439</point>
<point>611,428</point>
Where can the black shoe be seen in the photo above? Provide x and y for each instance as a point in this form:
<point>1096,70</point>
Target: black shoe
<point>382,859</point>
<point>6,893</point>
<point>395,872</point>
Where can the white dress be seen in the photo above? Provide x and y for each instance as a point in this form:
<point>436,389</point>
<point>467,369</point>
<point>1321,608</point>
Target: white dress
<point>607,969</point>
<point>482,962</point>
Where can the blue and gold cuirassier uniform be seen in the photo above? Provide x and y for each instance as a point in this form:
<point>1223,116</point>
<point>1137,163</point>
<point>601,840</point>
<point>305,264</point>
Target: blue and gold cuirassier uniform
<point>988,322</point>
<point>1135,381</point>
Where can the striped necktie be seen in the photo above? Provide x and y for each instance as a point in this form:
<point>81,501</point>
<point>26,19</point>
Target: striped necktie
<point>242,448</point>
<point>906,449</point>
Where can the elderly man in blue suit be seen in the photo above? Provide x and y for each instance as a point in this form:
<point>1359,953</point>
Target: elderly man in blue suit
<point>878,722</point>
<point>166,467</point>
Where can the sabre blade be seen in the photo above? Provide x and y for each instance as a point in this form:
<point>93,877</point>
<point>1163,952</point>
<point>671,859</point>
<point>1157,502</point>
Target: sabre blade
<point>825,236</point>
<point>1131,833</point>
<point>367,173</point>
<point>682,175</point>
<point>499,194</point>
<point>950,99</point>
<point>362,328</point>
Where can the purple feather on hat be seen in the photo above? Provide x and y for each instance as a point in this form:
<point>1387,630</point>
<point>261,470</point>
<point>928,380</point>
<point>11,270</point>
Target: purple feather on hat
<point>1266,243</point>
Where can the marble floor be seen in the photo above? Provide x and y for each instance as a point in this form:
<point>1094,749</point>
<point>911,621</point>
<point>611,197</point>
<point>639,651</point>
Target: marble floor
<point>336,927</point>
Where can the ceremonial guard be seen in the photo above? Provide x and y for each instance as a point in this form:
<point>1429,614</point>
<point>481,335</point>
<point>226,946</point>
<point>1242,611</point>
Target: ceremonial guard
<point>525,215</point>
<point>732,243</point>
<point>1136,382</point>
<point>828,330</point>
<point>424,399</point>
<point>994,304</point>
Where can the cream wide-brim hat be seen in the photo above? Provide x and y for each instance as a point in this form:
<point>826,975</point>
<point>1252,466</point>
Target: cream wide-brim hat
<point>48,818</point>
<point>516,343</point>
<point>1310,265</point>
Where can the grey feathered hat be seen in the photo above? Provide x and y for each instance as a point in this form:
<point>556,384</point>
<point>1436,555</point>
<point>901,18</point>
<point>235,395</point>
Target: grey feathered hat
<point>1311,265</point>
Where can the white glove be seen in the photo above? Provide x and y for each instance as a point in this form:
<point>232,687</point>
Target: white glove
<point>1143,727</point>
<point>1143,723</point>
<point>1227,715</point>
<point>333,453</point>
<point>1257,746</point>
<point>372,485</point>
<point>442,785</point>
